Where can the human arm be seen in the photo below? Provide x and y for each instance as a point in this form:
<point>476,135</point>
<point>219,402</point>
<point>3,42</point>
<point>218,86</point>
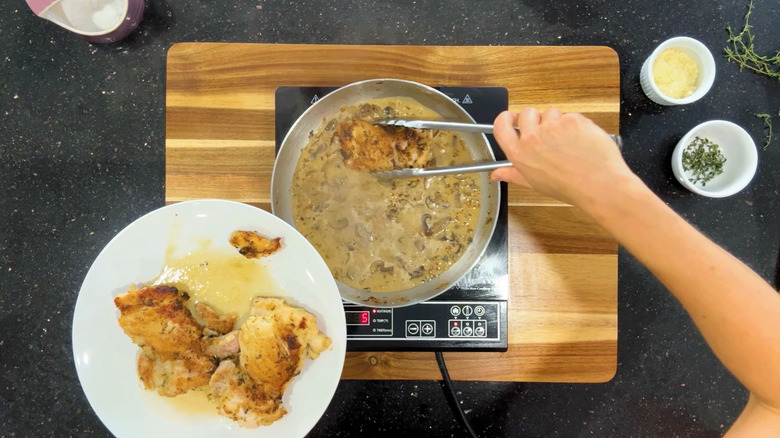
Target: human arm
<point>738,313</point>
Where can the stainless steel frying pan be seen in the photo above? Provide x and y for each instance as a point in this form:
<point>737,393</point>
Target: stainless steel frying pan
<point>312,118</point>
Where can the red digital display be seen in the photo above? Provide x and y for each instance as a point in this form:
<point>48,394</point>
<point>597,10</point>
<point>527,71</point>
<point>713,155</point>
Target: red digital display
<point>357,318</point>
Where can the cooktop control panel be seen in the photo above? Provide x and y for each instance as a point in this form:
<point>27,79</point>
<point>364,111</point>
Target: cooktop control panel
<point>431,325</point>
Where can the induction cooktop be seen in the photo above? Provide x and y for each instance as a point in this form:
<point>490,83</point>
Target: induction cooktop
<point>472,314</point>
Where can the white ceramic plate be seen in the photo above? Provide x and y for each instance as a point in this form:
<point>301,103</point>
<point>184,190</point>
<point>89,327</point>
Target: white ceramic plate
<point>105,357</point>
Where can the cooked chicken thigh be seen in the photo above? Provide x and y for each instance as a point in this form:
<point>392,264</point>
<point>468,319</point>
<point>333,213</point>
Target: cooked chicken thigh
<point>366,146</point>
<point>171,376</point>
<point>248,385</point>
<point>172,359</point>
<point>275,340</point>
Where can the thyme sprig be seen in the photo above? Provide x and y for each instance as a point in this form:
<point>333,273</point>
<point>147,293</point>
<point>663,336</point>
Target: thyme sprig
<point>704,159</point>
<point>768,126</point>
<point>743,51</point>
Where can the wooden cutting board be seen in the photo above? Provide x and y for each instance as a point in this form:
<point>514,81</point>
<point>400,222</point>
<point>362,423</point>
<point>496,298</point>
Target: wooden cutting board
<point>563,267</point>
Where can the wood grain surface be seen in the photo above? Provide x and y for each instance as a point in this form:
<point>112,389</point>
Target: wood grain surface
<point>563,267</point>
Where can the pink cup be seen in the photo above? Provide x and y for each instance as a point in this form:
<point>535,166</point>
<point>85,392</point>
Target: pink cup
<point>99,21</point>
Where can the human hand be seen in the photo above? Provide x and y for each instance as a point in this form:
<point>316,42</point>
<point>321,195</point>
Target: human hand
<point>565,156</point>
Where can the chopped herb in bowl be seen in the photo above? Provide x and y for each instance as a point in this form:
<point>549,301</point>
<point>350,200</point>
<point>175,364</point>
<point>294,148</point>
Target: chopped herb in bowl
<point>699,159</point>
<point>703,159</point>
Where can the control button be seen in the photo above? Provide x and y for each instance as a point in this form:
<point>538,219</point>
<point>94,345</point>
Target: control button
<point>479,331</point>
<point>412,328</point>
<point>455,310</point>
<point>467,328</point>
<point>455,331</point>
<point>427,329</point>
<point>479,310</point>
<point>467,310</point>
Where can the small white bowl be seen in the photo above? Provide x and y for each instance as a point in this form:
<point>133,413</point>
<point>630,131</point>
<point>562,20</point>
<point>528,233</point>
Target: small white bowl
<point>737,147</point>
<point>692,48</point>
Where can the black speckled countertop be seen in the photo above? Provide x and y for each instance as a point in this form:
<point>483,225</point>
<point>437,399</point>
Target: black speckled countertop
<point>82,130</point>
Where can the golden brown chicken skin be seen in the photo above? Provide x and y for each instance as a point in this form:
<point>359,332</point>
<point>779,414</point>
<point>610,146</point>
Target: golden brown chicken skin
<point>366,146</point>
<point>254,246</point>
<point>172,358</point>
<point>275,341</point>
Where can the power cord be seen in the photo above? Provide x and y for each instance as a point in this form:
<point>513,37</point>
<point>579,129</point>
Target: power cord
<point>452,398</point>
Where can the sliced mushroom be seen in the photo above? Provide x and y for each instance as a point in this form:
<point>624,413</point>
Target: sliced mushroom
<point>391,213</point>
<point>338,224</point>
<point>449,236</point>
<point>457,248</point>
<point>405,265</point>
<point>417,272</point>
<point>379,266</point>
<point>369,111</point>
<point>433,228</point>
<point>436,201</point>
<point>456,195</point>
<point>427,224</point>
<point>363,233</point>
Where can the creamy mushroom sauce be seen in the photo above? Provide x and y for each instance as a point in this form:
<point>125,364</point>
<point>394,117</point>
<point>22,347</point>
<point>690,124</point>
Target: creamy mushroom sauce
<point>384,236</point>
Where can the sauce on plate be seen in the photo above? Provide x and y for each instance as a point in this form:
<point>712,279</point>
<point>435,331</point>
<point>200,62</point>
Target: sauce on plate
<point>223,279</point>
<point>195,403</point>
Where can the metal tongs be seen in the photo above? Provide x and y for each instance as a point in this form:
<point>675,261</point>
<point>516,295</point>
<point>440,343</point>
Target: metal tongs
<point>484,166</point>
